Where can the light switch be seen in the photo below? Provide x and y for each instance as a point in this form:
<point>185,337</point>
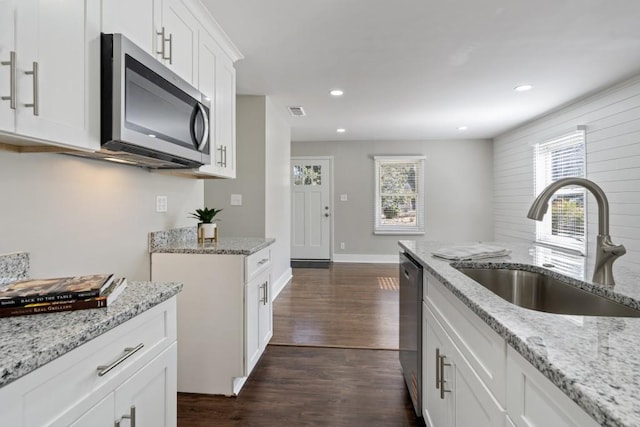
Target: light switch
<point>161,203</point>
<point>343,198</point>
<point>236,200</point>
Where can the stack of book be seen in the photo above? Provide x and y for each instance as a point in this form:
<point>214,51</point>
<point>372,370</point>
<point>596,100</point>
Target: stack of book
<point>33,296</point>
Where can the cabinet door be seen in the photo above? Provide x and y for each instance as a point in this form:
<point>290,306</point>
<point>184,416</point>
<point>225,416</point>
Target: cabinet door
<point>253,295</point>
<point>225,113</point>
<point>150,390</point>
<point>58,73</point>
<point>182,48</point>
<point>437,406</point>
<point>7,49</point>
<point>100,415</point>
<point>138,20</point>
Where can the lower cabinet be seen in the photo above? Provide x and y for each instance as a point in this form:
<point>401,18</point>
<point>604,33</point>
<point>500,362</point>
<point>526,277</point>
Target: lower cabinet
<point>77,389</point>
<point>471,376</point>
<point>224,316</point>
<point>453,395</point>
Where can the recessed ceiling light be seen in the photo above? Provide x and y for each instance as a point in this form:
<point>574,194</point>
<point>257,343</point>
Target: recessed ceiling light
<point>463,128</point>
<point>151,135</point>
<point>336,92</point>
<point>523,88</point>
<point>341,130</point>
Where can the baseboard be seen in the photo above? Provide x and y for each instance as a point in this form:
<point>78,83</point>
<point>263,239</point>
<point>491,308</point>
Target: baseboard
<point>367,258</point>
<point>279,284</point>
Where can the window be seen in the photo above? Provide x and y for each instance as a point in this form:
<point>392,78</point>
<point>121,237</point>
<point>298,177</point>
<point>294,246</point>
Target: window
<point>562,157</point>
<point>399,202</point>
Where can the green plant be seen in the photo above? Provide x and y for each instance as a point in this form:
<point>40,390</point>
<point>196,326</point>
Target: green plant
<point>205,215</point>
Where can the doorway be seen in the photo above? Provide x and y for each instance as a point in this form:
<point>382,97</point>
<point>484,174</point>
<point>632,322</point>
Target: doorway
<point>311,208</point>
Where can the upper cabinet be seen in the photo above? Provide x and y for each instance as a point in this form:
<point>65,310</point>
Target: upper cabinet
<point>183,35</point>
<point>49,77</point>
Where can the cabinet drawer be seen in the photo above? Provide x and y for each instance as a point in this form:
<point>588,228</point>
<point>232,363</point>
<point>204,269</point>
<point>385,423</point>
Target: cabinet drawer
<point>72,382</point>
<point>481,346</point>
<point>257,263</point>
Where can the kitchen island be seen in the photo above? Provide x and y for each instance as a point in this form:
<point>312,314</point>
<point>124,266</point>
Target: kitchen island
<point>592,360</point>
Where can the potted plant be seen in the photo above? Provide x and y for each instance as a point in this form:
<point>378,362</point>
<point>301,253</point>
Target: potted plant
<point>206,226</point>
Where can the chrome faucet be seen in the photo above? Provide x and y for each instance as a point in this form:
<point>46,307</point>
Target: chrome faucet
<point>606,251</point>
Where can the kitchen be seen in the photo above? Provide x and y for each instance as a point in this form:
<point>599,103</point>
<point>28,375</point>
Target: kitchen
<point>77,216</point>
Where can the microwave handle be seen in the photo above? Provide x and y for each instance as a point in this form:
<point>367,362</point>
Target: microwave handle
<point>205,134</point>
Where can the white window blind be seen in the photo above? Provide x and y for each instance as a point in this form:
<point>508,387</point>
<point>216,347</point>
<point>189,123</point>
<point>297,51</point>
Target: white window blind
<point>564,225</point>
<point>399,199</point>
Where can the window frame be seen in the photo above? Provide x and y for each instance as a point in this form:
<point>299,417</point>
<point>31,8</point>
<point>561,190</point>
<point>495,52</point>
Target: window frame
<point>384,229</point>
<point>542,176</point>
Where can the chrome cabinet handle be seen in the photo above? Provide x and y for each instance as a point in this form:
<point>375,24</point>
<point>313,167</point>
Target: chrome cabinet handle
<point>35,104</point>
<point>442,380</point>
<point>205,136</point>
<point>262,261</point>
<point>437,368</point>
<point>12,80</point>
<point>263,299</point>
<point>128,352</point>
<point>223,156</point>
<point>163,40</point>
<point>266,293</point>
<point>130,416</point>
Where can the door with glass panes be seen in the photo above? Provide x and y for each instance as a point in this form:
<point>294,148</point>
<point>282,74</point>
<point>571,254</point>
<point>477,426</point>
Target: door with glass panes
<point>311,208</point>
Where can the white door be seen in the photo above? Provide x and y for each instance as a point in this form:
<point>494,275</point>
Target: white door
<point>311,209</point>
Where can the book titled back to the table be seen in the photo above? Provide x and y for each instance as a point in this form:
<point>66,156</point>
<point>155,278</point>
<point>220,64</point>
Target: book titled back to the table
<point>106,299</point>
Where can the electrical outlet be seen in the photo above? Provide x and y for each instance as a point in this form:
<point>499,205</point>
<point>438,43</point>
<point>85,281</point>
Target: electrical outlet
<point>236,200</point>
<point>344,197</point>
<point>341,245</point>
<point>161,203</point>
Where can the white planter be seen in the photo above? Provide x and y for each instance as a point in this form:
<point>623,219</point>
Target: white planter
<point>207,231</point>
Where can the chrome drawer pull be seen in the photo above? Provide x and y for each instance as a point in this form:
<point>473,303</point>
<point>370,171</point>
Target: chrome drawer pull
<point>12,80</point>
<point>437,368</point>
<point>128,352</point>
<point>262,261</point>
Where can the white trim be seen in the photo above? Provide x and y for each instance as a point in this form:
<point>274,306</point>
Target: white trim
<point>280,283</point>
<point>367,258</point>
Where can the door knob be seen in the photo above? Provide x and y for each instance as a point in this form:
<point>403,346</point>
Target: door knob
<point>326,214</point>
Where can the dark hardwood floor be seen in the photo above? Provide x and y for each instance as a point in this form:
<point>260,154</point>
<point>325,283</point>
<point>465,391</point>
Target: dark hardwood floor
<point>325,365</point>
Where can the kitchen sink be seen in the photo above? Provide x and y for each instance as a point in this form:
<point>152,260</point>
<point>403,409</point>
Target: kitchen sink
<point>540,292</point>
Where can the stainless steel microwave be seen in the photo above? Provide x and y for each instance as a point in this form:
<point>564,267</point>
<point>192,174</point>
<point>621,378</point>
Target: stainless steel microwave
<point>149,116</point>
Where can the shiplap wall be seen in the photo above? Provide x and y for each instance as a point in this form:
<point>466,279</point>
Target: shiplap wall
<point>612,118</point>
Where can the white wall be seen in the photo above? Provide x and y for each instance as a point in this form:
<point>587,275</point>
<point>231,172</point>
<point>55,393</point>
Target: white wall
<point>263,141</point>
<point>612,118</point>
<point>80,216</point>
<point>458,192</point>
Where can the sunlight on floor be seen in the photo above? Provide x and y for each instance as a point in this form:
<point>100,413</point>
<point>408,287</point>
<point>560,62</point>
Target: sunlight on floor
<point>388,283</point>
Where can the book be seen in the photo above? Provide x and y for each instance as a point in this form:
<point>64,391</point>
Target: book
<point>107,298</point>
<point>30,291</point>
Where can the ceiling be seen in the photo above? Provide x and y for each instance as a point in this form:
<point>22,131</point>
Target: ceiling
<point>419,69</point>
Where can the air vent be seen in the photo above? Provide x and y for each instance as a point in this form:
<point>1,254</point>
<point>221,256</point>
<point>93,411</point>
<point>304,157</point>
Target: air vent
<point>296,111</point>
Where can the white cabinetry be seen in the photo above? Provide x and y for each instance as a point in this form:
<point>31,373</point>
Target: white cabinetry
<point>453,394</point>
<point>224,316</point>
<point>70,390</point>
<point>486,383</point>
<point>50,54</point>
<point>138,20</point>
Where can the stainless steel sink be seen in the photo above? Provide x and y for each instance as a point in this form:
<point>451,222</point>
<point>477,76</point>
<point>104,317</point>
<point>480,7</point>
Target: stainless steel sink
<point>540,292</point>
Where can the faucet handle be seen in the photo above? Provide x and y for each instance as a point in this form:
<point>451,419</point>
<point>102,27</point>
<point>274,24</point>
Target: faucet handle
<point>616,250</point>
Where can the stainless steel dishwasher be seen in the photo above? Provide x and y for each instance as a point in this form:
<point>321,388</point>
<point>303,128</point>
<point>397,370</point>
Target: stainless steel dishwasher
<point>411,328</point>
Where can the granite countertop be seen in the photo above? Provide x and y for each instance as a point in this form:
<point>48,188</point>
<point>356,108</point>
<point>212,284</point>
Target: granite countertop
<point>593,360</point>
<point>28,342</point>
<point>184,241</point>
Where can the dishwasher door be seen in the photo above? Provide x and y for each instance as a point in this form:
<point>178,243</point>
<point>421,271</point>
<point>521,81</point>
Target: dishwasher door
<point>411,328</point>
